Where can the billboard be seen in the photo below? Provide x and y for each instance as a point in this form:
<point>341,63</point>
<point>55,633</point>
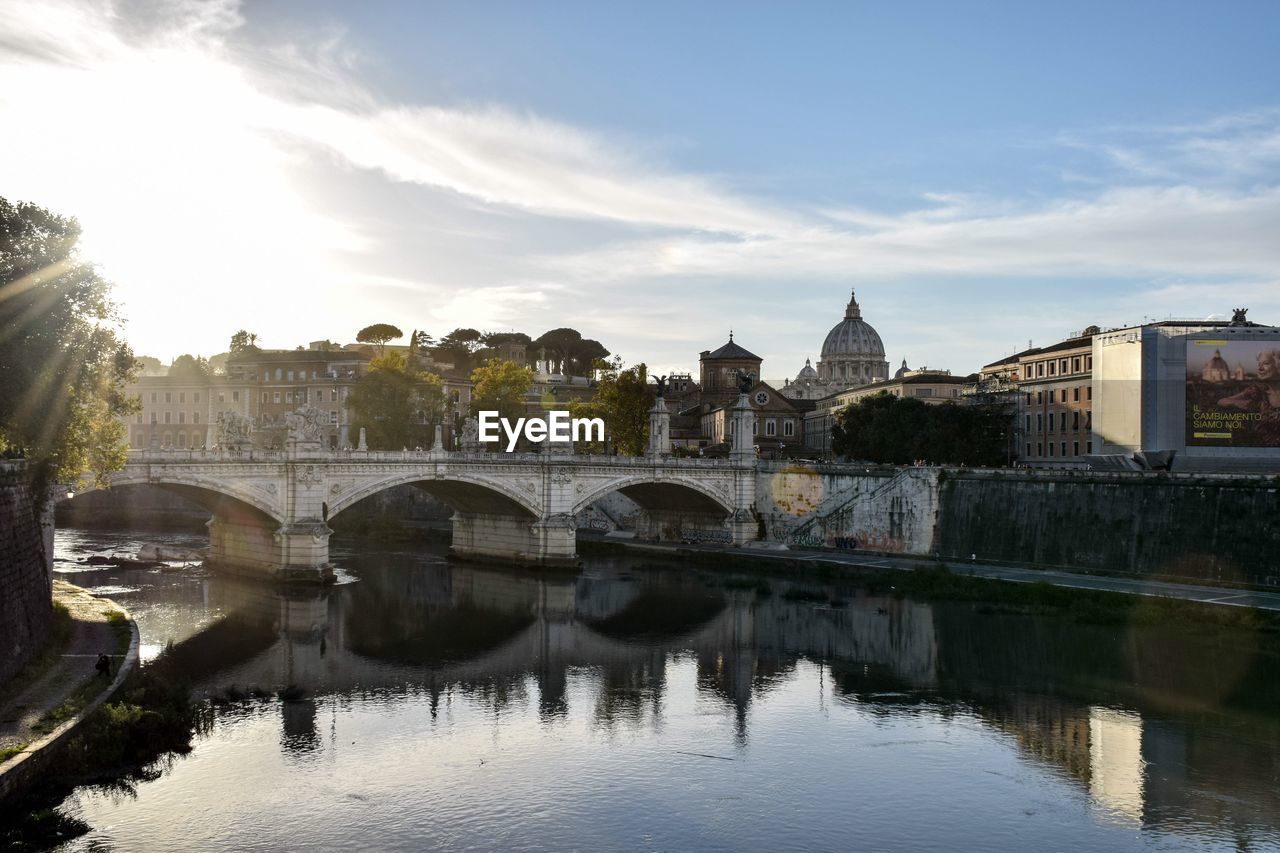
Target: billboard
<point>1233,393</point>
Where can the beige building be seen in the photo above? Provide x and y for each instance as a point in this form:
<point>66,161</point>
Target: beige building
<point>1055,403</point>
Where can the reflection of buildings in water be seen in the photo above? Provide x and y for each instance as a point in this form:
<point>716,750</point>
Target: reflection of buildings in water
<point>1115,761</point>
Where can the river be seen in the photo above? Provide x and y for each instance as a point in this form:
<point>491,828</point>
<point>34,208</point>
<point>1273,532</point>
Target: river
<point>651,706</point>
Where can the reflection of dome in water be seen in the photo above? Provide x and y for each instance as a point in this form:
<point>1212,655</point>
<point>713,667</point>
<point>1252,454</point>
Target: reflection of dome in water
<point>853,353</point>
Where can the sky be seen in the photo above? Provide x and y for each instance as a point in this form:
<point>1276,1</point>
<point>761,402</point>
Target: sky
<point>655,174</point>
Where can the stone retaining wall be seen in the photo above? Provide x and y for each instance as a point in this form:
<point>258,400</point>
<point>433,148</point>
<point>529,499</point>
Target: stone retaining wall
<point>26,564</point>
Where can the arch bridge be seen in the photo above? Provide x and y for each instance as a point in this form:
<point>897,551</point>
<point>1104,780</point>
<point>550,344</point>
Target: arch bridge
<point>271,508</point>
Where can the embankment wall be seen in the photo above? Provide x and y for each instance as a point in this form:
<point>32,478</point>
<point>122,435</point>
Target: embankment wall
<point>26,568</point>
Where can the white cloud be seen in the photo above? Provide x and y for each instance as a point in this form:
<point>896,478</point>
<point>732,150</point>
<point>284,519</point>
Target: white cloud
<point>207,166</point>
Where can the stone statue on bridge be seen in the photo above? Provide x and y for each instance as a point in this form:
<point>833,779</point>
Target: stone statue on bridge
<point>471,435</point>
<point>304,425</point>
<point>234,431</point>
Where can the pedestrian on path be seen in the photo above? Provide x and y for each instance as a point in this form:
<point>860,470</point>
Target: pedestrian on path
<point>103,666</point>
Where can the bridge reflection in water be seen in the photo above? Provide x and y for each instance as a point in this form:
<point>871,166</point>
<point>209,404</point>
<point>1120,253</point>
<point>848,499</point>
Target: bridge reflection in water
<point>1131,716</point>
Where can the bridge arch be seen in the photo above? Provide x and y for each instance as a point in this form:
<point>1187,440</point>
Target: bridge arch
<point>463,492</point>
<point>684,495</point>
<point>219,497</point>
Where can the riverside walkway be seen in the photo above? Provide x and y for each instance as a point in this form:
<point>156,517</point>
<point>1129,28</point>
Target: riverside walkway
<point>1203,594</point>
<point>42,706</point>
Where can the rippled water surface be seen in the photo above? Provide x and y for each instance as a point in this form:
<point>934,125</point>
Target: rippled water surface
<point>643,706</point>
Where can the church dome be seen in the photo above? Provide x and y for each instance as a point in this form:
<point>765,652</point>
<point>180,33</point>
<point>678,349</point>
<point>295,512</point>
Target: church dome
<point>806,372</point>
<point>853,336</point>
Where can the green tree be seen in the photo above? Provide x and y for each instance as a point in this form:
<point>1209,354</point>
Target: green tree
<point>501,386</point>
<point>379,334</point>
<point>900,430</point>
<point>623,399</point>
<point>243,343</point>
<point>62,366</point>
<point>397,406</point>
<point>458,348</point>
<point>190,367</point>
<point>558,347</point>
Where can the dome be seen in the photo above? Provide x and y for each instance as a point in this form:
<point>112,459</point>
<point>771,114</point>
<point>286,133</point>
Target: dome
<point>1218,362</point>
<point>902,371</point>
<point>806,372</point>
<point>853,336</point>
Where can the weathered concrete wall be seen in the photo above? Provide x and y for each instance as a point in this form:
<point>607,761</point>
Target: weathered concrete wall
<point>882,509</point>
<point>26,564</point>
<point>1208,527</point>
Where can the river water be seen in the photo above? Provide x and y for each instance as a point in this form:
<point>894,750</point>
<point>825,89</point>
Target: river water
<point>650,706</point>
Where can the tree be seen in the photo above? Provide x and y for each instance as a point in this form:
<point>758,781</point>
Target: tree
<point>899,431</point>
<point>558,346</point>
<point>396,405</point>
<point>501,386</point>
<point>458,348</point>
<point>585,355</point>
<point>243,343</point>
<point>623,399</point>
<point>379,334</point>
<point>62,366</point>
<point>190,367</point>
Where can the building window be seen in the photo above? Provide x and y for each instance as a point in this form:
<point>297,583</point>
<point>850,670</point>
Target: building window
<point>788,428</point>
<point>288,396</point>
<point>277,396</point>
<point>1051,450</point>
<point>1051,422</point>
<point>1088,392</point>
<point>1064,448</point>
<point>1063,367</point>
<point>1088,446</point>
<point>182,396</point>
<point>153,417</point>
<point>182,417</point>
<point>333,396</point>
<point>279,374</point>
<point>153,396</point>
<point>195,398</point>
<point>1040,368</point>
<point>235,396</point>
<point>168,398</point>
<point>1052,368</point>
<point>1088,419</point>
<point>1039,422</point>
<point>1075,448</point>
<point>182,439</point>
<point>264,397</point>
<point>1088,362</point>
<point>222,397</point>
<point>139,418</point>
<point>195,417</point>
<point>333,416</point>
<point>1039,397</point>
<point>290,375</point>
<point>1075,394</point>
<point>755,427</point>
<point>168,439</point>
<point>1039,448</point>
<point>1075,421</point>
<point>167,417</point>
<point>1028,448</point>
<point>1028,398</point>
<point>770,427</point>
<point>1075,365</point>
<point>1063,395</point>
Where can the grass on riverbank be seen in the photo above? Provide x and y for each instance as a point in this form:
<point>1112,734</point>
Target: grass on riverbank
<point>55,645</point>
<point>89,689</point>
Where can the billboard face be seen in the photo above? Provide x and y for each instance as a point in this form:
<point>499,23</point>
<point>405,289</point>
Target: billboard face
<point>1233,393</point>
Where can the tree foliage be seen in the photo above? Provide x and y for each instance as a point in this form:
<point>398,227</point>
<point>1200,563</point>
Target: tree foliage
<point>379,334</point>
<point>397,405</point>
<point>458,348</point>
<point>243,342</point>
<point>902,430</point>
<point>62,365</point>
<point>501,386</point>
<point>190,367</point>
<point>623,399</point>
